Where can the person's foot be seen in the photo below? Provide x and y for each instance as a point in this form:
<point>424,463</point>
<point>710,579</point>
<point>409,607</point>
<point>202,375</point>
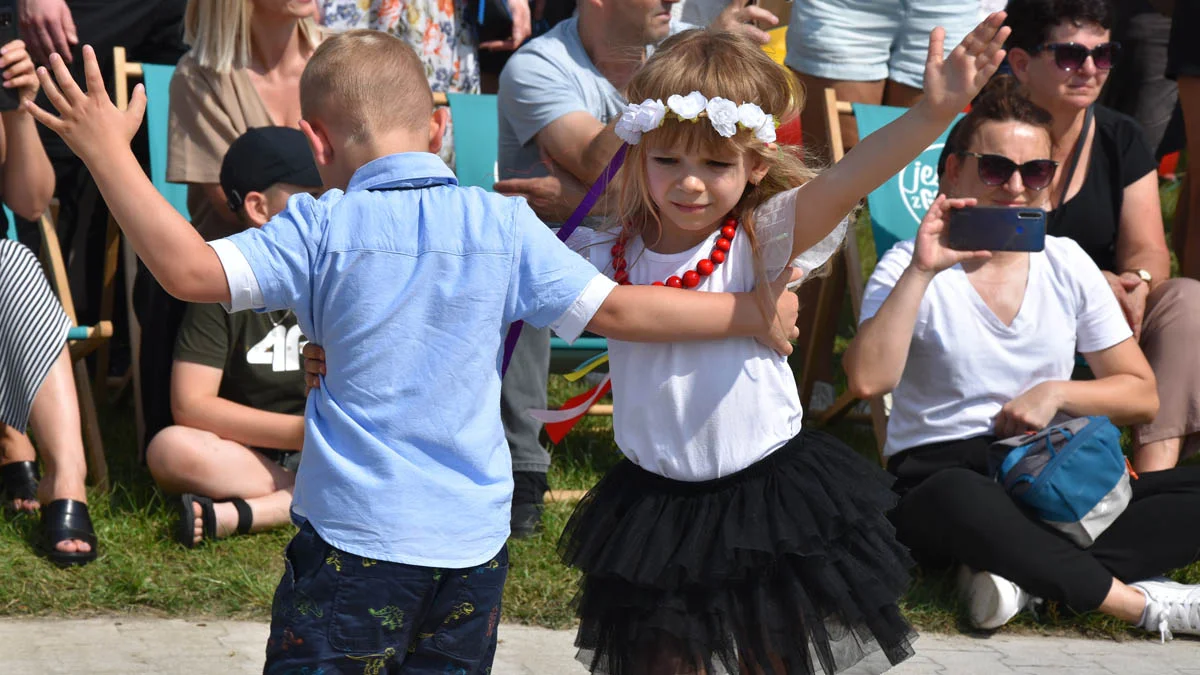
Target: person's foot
<point>529,494</point>
<point>227,520</point>
<point>19,483</point>
<point>992,600</point>
<point>58,486</point>
<point>1170,608</point>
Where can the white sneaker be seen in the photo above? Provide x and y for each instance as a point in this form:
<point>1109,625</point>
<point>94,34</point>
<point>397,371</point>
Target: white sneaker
<point>992,600</point>
<point>1170,608</point>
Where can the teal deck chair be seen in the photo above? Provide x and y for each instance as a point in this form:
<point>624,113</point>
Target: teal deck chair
<point>896,208</point>
<point>476,126</point>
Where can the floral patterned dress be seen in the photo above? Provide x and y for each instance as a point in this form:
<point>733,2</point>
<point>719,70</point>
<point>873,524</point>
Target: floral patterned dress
<point>437,29</point>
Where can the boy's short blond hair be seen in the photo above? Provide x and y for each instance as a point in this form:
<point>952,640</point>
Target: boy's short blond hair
<point>366,82</point>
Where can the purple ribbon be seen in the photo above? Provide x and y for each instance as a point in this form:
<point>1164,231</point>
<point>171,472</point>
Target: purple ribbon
<point>581,211</point>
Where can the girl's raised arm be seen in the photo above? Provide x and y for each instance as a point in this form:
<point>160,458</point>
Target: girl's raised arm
<point>950,85</point>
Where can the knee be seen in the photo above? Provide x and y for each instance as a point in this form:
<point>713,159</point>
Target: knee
<point>1180,297</point>
<point>170,453</point>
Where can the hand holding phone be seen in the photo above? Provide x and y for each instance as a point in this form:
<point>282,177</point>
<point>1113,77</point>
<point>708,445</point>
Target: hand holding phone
<point>10,97</point>
<point>997,228</point>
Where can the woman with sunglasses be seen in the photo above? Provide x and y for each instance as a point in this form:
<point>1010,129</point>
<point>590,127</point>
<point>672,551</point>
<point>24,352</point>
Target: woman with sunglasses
<point>1105,197</point>
<point>980,345</point>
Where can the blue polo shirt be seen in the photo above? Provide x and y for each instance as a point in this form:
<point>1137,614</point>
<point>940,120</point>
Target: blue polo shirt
<point>409,282</point>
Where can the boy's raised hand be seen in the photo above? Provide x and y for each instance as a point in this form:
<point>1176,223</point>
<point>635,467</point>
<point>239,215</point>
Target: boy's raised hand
<point>89,122</point>
<point>952,82</point>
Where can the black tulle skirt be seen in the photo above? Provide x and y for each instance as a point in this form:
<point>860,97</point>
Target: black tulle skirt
<point>789,566</point>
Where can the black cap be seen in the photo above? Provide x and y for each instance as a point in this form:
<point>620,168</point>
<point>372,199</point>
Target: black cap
<point>263,157</point>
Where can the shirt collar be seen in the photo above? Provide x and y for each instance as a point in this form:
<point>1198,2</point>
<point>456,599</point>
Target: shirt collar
<point>402,170</point>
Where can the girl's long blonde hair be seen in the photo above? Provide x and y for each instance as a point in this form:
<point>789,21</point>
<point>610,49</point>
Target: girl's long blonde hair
<point>715,64</point>
<point>218,32</point>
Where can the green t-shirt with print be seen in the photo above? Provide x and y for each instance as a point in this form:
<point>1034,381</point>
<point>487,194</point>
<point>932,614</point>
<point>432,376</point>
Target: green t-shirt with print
<point>259,354</point>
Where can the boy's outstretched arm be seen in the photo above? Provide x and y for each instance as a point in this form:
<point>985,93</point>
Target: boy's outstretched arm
<point>950,84</point>
<point>100,134</point>
<point>661,314</point>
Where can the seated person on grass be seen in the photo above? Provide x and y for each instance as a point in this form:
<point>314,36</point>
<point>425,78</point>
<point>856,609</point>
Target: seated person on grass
<point>410,283</point>
<point>981,345</point>
<point>237,393</point>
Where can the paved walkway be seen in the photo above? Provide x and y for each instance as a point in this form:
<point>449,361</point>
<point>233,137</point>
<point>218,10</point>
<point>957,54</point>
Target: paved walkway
<point>126,645</point>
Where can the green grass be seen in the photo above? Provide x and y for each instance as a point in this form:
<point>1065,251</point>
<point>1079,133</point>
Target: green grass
<point>141,570</point>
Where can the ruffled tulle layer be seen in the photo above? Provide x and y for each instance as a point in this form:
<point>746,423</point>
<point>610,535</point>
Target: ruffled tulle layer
<point>789,566</point>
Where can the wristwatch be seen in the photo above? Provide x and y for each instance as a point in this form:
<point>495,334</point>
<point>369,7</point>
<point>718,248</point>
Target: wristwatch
<point>1144,276</point>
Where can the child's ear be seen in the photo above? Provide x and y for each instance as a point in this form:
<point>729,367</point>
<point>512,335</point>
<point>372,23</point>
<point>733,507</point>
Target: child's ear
<point>258,212</point>
<point>759,170</point>
<point>437,128</point>
<point>318,140</point>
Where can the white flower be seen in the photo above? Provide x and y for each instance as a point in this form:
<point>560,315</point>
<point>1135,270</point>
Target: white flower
<point>687,107</point>
<point>650,115</point>
<point>723,114</point>
<point>628,129</point>
<point>751,116</point>
<point>766,132</point>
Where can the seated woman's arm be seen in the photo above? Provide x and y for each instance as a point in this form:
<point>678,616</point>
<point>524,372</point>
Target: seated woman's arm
<point>27,174</point>
<point>195,403</point>
<point>875,359</point>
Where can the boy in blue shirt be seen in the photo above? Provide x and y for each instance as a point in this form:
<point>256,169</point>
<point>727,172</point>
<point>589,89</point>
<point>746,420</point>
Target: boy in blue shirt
<point>409,282</point>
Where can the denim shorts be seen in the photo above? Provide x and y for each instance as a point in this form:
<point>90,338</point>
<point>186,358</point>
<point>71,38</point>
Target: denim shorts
<point>869,40</point>
<point>335,612</point>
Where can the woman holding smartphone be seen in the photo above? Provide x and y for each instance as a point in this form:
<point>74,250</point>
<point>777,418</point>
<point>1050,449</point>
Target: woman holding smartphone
<point>1105,198</point>
<point>979,345</point>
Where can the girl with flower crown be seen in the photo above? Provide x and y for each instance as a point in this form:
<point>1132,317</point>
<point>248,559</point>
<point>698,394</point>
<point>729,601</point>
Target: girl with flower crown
<point>730,540</point>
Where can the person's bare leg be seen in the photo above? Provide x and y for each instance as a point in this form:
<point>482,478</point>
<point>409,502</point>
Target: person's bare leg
<point>1189,100</point>
<point>182,459</point>
<point>812,117</point>
<point>15,447</point>
<point>1124,602</point>
<point>1157,455</point>
<point>54,419</point>
<point>901,95</point>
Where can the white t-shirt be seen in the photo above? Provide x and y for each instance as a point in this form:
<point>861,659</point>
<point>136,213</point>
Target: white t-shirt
<point>694,411</point>
<point>964,364</point>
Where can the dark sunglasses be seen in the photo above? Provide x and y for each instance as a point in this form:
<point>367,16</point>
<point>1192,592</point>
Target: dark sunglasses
<point>1036,174</point>
<point>1071,55</point>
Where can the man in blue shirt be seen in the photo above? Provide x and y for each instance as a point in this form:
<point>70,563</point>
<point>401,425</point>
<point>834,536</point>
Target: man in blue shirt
<point>410,283</point>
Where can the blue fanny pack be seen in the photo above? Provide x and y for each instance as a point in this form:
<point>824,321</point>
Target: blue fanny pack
<point>1072,475</point>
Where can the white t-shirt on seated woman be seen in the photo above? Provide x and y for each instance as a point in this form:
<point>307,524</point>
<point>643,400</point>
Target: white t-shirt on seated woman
<point>964,364</point>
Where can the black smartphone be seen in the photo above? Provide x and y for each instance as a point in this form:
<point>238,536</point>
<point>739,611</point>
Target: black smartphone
<point>997,228</point>
<point>10,99</point>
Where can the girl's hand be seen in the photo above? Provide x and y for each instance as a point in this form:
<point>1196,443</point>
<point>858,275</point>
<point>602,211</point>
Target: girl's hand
<point>779,334</point>
<point>952,82</point>
<point>18,70</point>
<point>314,366</point>
<point>1031,411</point>
<point>89,122</point>
<point>932,253</point>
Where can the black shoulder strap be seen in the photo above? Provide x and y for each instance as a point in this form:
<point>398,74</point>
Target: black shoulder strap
<point>1074,161</point>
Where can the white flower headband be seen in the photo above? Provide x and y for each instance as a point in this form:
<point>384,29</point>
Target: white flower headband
<point>724,115</point>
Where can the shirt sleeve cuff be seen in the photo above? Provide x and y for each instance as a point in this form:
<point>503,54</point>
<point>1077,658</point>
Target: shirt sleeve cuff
<point>244,291</point>
<point>572,323</point>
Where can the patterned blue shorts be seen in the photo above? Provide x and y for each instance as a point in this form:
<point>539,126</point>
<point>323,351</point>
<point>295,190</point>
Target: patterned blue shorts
<point>335,612</point>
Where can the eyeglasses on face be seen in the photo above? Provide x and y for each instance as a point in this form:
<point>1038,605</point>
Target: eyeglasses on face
<point>1071,56</point>
<point>1036,174</point>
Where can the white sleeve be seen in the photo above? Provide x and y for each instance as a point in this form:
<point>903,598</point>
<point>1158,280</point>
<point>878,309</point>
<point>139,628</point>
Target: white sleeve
<point>884,278</point>
<point>244,291</point>
<point>775,227</point>
<point>1099,321</point>
<point>572,323</point>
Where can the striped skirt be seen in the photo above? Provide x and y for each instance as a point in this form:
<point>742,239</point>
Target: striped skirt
<point>33,330</point>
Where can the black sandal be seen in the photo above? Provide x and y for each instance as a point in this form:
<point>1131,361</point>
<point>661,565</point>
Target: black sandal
<point>18,480</point>
<point>64,519</point>
<point>185,526</point>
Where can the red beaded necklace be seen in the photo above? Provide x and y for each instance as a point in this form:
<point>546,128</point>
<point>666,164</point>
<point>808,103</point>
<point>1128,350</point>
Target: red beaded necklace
<point>690,278</point>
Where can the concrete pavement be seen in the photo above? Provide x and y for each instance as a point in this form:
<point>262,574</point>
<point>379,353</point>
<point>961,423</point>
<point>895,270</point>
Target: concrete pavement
<point>129,645</point>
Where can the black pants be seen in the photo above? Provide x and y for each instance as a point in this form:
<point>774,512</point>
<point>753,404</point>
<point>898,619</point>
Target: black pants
<point>950,511</point>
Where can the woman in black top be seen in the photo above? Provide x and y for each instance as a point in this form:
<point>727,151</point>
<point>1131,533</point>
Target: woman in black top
<point>1105,197</point>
